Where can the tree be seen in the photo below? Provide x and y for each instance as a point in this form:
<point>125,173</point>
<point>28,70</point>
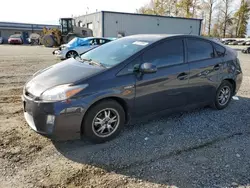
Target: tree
<point>188,8</point>
<point>241,16</point>
<point>227,15</point>
<point>209,5</point>
<point>160,7</point>
<point>185,6</point>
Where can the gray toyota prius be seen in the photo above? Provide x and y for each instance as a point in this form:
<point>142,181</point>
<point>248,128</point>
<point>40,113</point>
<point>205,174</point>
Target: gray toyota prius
<point>94,95</point>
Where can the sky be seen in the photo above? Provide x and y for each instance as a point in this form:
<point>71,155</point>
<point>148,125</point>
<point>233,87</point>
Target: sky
<point>49,11</point>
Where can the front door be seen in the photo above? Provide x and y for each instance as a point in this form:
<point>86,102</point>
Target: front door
<point>168,87</point>
<point>204,66</point>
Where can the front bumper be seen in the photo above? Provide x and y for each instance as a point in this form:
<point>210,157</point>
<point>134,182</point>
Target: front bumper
<point>58,53</point>
<point>58,121</point>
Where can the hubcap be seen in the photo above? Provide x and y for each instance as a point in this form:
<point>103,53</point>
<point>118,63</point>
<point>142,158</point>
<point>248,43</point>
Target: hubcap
<point>224,95</point>
<point>105,122</point>
<point>71,54</point>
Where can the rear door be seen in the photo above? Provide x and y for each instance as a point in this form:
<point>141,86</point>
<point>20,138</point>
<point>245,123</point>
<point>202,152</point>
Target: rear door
<point>204,68</point>
<point>167,88</point>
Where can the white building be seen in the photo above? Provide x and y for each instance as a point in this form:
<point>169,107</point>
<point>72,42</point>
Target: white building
<point>113,24</point>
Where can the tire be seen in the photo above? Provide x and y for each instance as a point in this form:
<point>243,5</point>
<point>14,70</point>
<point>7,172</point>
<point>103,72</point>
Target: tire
<point>95,126</point>
<point>227,87</point>
<point>48,41</point>
<point>70,54</point>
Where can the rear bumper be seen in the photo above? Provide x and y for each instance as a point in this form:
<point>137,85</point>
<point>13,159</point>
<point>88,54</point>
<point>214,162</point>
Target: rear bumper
<point>15,42</point>
<point>238,81</point>
<point>57,121</point>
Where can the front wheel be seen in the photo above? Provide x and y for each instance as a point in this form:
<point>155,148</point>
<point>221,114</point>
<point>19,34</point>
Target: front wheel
<point>103,121</point>
<point>223,95</point>
<point>71,54</point>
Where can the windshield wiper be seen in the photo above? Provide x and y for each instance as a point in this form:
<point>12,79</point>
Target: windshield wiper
<point>91,62</point>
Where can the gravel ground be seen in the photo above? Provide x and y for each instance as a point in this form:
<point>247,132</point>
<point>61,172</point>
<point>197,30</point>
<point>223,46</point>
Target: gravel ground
<point>201,148</point>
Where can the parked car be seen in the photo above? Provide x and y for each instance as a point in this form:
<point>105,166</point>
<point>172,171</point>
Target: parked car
<point>15,39</point>
<point>246,50</point>
<point>243,42</point>
<point>34,39</point>
<point>216,39</point>
<point>129,78</point>
<point>247,42</point>
<point>226,42</point>
<point>237,42</point>
<point>78,46</point>
<point>1,40</point>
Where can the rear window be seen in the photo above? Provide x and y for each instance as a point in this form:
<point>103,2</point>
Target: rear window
<point>219,50</point>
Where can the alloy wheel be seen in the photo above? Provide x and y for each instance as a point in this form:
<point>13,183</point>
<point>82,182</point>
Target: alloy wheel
<point>224,95</point>
<point>70,54</point>
<point>105,122</point>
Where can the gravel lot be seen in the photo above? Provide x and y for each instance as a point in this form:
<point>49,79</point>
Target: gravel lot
<point>202,148</point>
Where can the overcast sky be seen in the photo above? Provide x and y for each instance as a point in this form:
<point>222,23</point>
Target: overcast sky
<point>49,11</point>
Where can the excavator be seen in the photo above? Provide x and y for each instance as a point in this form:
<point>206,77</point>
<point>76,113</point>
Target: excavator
<point>55,37</point>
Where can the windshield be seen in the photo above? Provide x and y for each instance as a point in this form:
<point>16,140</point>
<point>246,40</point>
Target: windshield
<point>77,41</point>
<point>115,52</point>
<point>15,36</point>
<point>74,40</point>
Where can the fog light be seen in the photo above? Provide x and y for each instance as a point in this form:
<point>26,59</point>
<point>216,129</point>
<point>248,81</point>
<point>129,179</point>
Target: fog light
<point>50,123</point>
<point>50,119</point>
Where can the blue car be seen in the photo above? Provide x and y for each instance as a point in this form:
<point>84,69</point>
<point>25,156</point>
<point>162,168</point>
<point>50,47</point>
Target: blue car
<point>78,46</point>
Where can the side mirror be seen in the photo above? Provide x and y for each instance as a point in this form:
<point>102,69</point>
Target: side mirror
<point>147,68</point>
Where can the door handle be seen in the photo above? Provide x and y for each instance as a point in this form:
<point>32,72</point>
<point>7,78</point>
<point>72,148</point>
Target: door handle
<point>217,67</point>
<point>182,76</point>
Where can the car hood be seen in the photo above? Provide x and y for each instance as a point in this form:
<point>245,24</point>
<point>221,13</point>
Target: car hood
<point>65,72</point>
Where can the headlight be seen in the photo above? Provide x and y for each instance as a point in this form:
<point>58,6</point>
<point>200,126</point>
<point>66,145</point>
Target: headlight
<point>64,47</point>
<point>62,92</point>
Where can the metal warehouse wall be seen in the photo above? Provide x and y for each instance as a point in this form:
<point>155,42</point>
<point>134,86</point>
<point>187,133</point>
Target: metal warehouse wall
<point>95,19</point>
<point>140,24</point>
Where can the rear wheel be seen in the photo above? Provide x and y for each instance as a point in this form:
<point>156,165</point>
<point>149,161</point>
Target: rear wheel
<point>103,121</point>
<point>223,95</point>
<point>71,54</point>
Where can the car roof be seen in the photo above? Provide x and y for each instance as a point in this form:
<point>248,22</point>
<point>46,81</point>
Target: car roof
<point>157,37</point>
<point>88,38</point>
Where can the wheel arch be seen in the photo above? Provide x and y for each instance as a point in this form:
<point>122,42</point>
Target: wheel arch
<point>119,100</point>
<point>232,81</point>
<point>70,51</point>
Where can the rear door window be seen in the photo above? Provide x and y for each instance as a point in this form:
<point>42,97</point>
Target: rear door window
<point>103,41</point>
<point>199,50</point>
<point>94,42</point>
